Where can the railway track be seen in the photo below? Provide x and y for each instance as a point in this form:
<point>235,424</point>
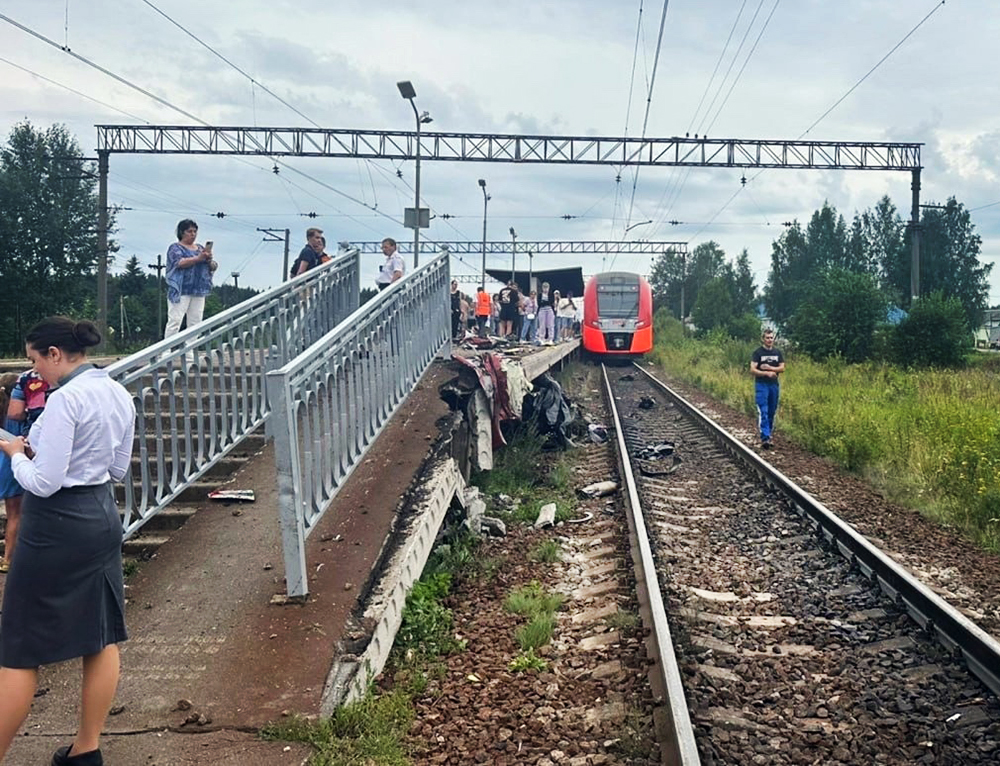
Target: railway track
<point>782,636</point>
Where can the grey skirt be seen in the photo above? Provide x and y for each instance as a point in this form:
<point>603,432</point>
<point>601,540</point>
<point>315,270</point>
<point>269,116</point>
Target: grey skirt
<point>64,596</point>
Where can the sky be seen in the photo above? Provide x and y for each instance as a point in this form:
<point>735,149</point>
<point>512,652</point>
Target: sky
<point>749,69</point>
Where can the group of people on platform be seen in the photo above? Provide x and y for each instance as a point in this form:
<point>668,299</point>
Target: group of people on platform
<point>541,317</point>
<point>191,266</point>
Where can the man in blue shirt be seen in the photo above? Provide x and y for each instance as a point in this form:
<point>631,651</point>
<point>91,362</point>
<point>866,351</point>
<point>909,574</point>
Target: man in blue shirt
<point>766,364</point>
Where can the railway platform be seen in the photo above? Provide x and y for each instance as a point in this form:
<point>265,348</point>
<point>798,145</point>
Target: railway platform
<point>216,651</point>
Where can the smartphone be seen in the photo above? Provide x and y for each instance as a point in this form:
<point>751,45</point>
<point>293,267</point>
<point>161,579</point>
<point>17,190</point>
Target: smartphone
<point>6,436</point>
<point>208,245</point>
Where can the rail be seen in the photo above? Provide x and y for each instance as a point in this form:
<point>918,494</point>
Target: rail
<point>940,619</point>
<point>199,393</point>
<point>679,746</point>
<point>332,401</point>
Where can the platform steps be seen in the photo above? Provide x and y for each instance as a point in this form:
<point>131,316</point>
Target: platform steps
<point>158,529</point>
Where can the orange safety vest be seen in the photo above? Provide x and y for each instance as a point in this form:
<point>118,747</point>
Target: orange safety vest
<point>482,304</point>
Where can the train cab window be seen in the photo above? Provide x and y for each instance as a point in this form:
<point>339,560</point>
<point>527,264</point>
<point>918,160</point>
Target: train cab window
<point>617,301</point>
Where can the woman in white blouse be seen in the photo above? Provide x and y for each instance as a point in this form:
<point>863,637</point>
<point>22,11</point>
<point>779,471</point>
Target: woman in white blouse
<point>64,596</point>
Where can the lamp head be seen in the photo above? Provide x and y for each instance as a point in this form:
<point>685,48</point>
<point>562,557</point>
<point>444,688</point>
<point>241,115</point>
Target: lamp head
<point>512,232</point>
<point>406,89</point>
<point>482,182</point>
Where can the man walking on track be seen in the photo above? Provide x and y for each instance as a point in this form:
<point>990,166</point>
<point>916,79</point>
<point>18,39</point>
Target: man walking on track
<point>766,364</point>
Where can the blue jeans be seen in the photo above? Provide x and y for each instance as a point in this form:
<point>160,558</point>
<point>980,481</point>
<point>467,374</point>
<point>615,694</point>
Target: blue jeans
<point>528,329</point>
<point>766,396</point>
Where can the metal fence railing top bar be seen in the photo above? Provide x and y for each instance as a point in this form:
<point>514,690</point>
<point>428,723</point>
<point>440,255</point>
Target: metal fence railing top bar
<point>331,402</point>
<point>199,393</point>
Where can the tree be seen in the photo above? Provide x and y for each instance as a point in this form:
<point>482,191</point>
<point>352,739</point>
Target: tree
<point>789,269</point>
<point>744,289</point>
<point>48,242</point>
<point>837,315</point>
<point>934,334</point>
<point>676,278</point>
<point>949,260</point>
<point>133,279</point>
<point>665,281</point>
<point>714,307</point>
<point>826,238</point>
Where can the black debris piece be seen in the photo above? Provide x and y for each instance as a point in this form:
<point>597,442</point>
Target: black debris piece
<point>647,403</point>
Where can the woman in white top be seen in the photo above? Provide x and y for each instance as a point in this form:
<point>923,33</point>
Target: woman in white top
<point>64,597</point>
<point>564,317</point>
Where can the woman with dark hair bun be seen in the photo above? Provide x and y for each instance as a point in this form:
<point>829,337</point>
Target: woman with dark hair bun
<point>64,597</point>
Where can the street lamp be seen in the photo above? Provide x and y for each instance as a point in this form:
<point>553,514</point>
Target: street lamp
<point>406,91</point>
<point>513,251</point>
<point>486,200</point>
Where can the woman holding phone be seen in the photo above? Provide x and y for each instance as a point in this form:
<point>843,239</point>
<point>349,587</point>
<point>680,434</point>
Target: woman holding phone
<point>64,597</point>
<point>189,278</point>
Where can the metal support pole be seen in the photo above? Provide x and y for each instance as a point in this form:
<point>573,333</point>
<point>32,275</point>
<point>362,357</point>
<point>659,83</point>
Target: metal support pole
<point>416,195</point>
<point>102,247</point>
<point>486,202</point>
<point>513,252</point>
<point>915,239</point>
<point>531,258</point>
<point>284,270</point>
<point>683,279</point>
<point>158,267</point>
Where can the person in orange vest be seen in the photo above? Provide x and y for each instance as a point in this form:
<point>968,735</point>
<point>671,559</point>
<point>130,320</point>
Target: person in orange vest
<point>482,310</point>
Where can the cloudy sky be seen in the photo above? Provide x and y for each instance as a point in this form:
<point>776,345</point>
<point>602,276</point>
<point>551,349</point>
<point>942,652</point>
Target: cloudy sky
<point>543,67</point>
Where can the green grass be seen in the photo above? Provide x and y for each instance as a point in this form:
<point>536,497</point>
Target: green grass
<point>526,661</point>
<point>928,439</point>
<point>626,623</point>
<point>369,731</point>
<point>546,552</point>
<point>531,600</point>
<point>537,632</point>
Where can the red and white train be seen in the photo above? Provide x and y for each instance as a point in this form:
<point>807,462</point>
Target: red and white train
<point>617,315</point>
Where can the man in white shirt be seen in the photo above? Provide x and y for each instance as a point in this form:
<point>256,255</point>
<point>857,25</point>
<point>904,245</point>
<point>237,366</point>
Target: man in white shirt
<point>393,268</point>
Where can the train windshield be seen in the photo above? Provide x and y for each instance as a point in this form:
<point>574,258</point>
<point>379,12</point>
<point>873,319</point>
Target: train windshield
<point>618,301</point>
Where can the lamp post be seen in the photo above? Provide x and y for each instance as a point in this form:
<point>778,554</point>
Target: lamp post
<point>513,251</point>
<point>486,200</point>
<point>406,91</point>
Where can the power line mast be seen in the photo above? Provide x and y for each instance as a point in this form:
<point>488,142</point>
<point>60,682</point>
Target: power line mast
<point>272,235</point>
<point>158,267</point>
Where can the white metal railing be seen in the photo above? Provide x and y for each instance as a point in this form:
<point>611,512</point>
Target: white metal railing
<point>199,393</point>
<point>331,402</point>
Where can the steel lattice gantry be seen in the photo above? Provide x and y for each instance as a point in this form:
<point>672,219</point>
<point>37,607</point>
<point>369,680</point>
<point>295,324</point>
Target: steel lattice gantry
<point>496,147</point>
<point>503,247</point>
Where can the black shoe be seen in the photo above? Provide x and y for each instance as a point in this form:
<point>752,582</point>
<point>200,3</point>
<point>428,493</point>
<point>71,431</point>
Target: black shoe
<point>765,444</point>
<point>63,758</point>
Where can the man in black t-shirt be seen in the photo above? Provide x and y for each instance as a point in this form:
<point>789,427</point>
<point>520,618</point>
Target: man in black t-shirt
<point>309,257</point>
<point>766,364</point>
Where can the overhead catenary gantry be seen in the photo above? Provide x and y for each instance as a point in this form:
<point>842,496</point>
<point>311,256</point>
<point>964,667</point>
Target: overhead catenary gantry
<point>699,151</point>
<point>499,147</point>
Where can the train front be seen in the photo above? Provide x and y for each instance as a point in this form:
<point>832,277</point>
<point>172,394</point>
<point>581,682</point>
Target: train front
<point>618,315</point>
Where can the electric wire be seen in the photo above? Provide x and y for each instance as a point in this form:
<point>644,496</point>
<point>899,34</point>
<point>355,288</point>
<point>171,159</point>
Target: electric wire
<point>746,61</point>
<point>850,90</point>
<point>72,90</point>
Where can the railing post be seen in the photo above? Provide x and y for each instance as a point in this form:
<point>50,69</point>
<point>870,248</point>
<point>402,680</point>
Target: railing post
<point>286,459</point>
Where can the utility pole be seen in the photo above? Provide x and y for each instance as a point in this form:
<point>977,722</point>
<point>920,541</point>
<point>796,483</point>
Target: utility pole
<point>102,247</point>
<point>683,280</point>
<point>158,267</point>
<point>531,258</point>
<point>236,280</point>
<point>272,235</point>
<point>915,239</point>
<point>513,252</point>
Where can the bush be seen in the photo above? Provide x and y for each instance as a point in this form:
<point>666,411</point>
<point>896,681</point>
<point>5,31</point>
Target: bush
<point>745,327</point>
<point>838,316</point>
<point>933,335</point>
